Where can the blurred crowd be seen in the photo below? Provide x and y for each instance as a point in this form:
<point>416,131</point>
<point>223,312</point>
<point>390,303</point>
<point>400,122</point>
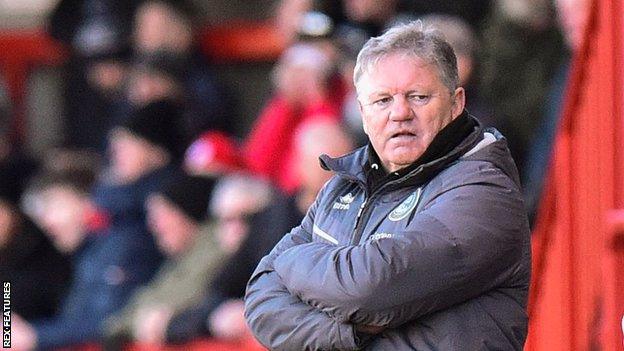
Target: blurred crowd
<point>145,224</point>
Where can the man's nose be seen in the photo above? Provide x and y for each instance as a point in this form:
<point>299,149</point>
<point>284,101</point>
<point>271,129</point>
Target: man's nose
<point>401,109</point>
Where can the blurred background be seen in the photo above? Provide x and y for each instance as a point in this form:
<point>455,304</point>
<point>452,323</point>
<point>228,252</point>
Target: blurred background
<point>153,151</point>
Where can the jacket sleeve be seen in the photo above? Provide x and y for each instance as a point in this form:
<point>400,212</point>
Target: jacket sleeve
<point>463,243</point>
<point>279,319</point>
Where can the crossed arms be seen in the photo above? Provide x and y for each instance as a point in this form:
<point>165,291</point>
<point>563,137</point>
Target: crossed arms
<point>312,295</point>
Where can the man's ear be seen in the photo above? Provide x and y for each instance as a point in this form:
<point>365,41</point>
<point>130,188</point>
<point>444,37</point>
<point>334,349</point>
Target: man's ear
<point>459,102</point>
<point>364,124</point>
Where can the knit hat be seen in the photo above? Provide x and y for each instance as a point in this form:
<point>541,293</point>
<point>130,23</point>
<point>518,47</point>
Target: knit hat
<point>160,123</point>
<point>191,195</point>
<point>213,152</point>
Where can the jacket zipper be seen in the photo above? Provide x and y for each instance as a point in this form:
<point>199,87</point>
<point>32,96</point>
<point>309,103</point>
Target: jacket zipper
<point>357,230</point>
<point>363,212</point>
<point>357,222</point>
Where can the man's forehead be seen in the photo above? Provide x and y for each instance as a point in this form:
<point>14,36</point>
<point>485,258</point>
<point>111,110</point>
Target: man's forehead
<point>395,71</point>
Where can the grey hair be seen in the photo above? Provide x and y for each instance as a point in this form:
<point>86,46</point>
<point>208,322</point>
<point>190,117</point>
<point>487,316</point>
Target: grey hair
<point>414,40</point>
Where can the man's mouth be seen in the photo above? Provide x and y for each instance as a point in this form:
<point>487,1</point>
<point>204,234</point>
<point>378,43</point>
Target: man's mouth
<point>402,135</point>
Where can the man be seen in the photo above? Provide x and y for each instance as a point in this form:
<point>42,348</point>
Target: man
<point>167,28</point>
<point>38,272</point>
<point>236,200</point>
<point>421,240</point>
<point>304,93</point>
<point>176,215</point>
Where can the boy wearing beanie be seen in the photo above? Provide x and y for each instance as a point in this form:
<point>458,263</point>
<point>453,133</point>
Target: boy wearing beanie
<point>151,139</point>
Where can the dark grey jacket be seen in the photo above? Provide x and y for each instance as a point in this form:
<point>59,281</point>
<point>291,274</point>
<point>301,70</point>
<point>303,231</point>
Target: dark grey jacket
<point>440,257</point>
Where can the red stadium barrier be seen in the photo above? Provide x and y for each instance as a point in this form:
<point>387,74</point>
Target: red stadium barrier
<point>232,42</point>
<point>242,41</point>
<point>203,345</point>
<point>248,344</point>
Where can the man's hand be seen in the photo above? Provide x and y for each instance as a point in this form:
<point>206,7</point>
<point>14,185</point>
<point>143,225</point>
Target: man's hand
<point>228,321</point>
<point>23,336</point>
<point>151,323</point>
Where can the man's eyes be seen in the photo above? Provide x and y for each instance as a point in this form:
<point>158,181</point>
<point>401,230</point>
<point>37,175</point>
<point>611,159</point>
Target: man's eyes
<point>383,101</point>
<point>413,99</point>
<point>418,98</point>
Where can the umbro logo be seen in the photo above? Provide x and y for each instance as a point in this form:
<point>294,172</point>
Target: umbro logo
<point>344,202</point>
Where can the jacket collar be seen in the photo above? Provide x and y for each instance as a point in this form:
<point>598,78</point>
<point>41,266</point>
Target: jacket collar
<point>352,166</point>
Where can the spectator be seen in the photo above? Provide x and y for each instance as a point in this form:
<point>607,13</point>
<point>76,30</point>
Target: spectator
<point>463,40</point>
<point>168,27</point>
<point>121,256</point>
<point>98,35</point>
<point>220,315</point>
<point>572,17</point>
<point>175,215</point>
<point>236,198</point>
<point>372,17</point>
<point>522,48</point>
<point>301,79</point>
<point>234,203</point>
<point>39,274</point>
<point>59,201</point>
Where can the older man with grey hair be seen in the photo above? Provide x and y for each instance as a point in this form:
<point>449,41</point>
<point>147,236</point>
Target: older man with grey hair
<point>420,241</point>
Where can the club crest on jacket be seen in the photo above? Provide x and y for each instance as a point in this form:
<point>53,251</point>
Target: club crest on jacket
<point>405,207</point>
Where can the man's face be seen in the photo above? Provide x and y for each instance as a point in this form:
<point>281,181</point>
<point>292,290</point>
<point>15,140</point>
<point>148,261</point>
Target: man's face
<point>369,10</point>
<point>131,156</point>
<point>573,16</point>
<point>232,212</point>
<point>173,229</point>
<point>63,214</point>
<point>404,105</point>
<point>158,27</point>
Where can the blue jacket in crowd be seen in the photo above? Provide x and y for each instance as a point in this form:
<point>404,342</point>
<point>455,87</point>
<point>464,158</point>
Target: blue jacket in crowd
<point>109,265</point>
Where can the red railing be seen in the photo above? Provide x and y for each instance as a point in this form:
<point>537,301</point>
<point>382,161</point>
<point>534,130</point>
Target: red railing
<point>23,50</point>
<point>20,52</point>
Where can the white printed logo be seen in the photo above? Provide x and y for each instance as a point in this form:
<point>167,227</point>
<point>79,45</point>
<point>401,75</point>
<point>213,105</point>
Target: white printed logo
<point>378,236</point>
<point>345,202</point>
<point>405,207</point>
